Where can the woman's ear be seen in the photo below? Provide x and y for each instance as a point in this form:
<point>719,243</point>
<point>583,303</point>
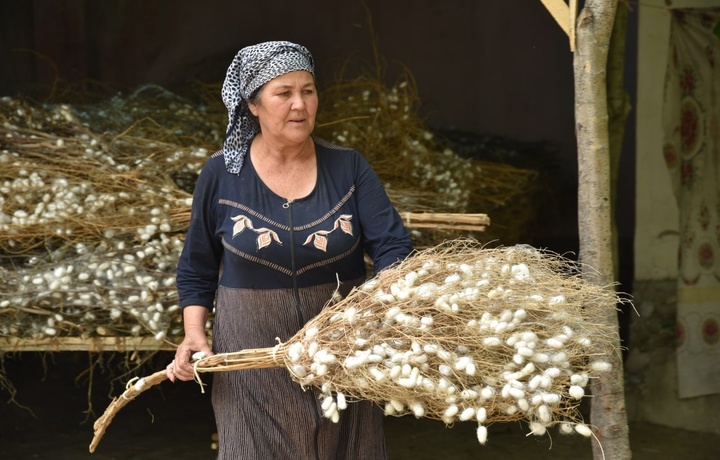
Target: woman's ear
<point>253,108</point>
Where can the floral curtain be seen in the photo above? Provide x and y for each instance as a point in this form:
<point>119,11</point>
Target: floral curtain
<point>691,119</point>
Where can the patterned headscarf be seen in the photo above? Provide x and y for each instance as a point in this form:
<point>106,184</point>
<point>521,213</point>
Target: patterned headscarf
<point>252,67</point>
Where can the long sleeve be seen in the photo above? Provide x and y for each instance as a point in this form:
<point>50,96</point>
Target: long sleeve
<point>385,238</point>
<point>199,264</point>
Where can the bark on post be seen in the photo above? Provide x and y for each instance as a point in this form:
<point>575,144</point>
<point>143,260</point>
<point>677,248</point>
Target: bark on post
<point>593,32</point>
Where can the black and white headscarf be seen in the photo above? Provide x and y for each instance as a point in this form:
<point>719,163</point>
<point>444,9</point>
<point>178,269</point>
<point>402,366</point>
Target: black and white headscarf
<point>252,67</point>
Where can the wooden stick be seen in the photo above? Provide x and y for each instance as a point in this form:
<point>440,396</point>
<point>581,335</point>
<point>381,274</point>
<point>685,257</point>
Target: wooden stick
<point>132,391</point>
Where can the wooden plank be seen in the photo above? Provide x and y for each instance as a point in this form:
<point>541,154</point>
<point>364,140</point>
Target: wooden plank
<point>95,344</point>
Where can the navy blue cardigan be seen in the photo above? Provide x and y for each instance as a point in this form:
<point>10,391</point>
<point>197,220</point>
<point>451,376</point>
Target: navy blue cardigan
<point>242,235</point>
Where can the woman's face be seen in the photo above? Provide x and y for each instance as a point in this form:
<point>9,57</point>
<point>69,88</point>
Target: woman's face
<point>286,108</point>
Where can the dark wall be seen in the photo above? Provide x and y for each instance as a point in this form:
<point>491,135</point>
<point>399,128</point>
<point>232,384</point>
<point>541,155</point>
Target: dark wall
<point>497,67</point>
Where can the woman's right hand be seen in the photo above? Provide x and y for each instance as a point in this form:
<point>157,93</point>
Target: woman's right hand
<point>181,368</point>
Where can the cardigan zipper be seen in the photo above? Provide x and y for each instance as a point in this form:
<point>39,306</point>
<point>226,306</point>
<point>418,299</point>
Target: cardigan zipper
<point>289,206</point>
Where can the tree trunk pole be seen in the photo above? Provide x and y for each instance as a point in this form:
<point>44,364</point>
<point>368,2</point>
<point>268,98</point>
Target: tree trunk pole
<point>594,29</point>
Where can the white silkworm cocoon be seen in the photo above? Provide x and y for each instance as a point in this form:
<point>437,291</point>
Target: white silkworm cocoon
<point>377,373</point>
<point>512,340</point>
<point>537,399</point>
<point>583,429</point>
<point>520,271</point>
<point>537,428</point>
<point>554,343</point>
<point>537,297</point>
<point>576,391</point>
<point>373,358</point>
<point>462,363</point>
<point>470,369</point>
<point>516,393</point>
<point>525,352</point>
<point>335,417</point>
<point>397,405</point>
<point>552,372</point>
<point>545,381</point>
<point>350,315</point>
<point>534,382</point>
<point>369,285</point>
<point>584,342</point>
<point>600,366</point>
<point>451,411</point>
<point>295,351</point>
<point>379,350</point>
<point>389,409</point>
<point>550,398</point>
<point>482,434</point>
<point>50,331</point>
<point>139,385</point>
<point>491,341</point>
<point>506,316</point>
<point>540,357</point>
<point>566,428</point>
<point>505,270</point>
<point>299,370</point>
<point>327,402</point>
<point>406,370</point>
<point>321,369</point>
<point>511,409</point>
<point>518,359</point>
<point>392,313</point>
<point>529,337</point>
<point>426,383</point>
<point>325,357</point>
<point>331,410</point>
<point>418,410</point>
<point>543,413</point>
<point>523,404</point>
<point>487,392</point>
<point>528,369</point>
<point>341,402</point>
<point>311,332</point>
<point>410,278</point>
<point>505,392</point>
<point>312,349</point>
<point>481,414</point>
<point>395,371</point>
<point>469,394</point>
<point>500,327</point>
<point>198,355</point>
<point>445,370</point>
<point>560,358</point>
<point>454,278</point>
<point>558,299</point>
<point>467,414</point>
<point>426,320</point>
<point>482,283</point>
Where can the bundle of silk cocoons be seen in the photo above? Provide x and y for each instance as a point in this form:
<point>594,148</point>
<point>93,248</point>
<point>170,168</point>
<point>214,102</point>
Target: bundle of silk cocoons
<point>458,332</point>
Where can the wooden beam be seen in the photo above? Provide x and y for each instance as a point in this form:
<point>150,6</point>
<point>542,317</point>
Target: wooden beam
<point>560,11</point>
<point>95,344</point>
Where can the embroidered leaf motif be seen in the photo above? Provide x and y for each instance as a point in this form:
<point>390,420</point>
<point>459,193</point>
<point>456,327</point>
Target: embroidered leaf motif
<point>346,226</point>
<point>241,223</point>
<point>309,239</point>
<point>266,237</point>
<point>321,242</point>
<point>264,240</point>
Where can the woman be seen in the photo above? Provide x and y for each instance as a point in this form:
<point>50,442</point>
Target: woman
<point>278,218</point>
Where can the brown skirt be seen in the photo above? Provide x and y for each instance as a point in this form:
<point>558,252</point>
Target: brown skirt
<point>262,413</point>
